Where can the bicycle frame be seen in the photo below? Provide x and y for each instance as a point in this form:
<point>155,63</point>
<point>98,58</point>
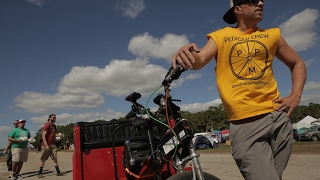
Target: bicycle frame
<point>180,163</point>
<point>176,125</point>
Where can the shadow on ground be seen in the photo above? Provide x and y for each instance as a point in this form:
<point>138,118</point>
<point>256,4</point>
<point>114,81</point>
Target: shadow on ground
<point>44,172</point>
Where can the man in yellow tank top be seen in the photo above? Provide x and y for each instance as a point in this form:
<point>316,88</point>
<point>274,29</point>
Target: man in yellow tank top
<point>260,128</point>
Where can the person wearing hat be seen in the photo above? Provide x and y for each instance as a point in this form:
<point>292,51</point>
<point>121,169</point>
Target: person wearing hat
<point>48,146</point>
<point>8,150</point>
<point>19,147</point>
<point>260,127</point>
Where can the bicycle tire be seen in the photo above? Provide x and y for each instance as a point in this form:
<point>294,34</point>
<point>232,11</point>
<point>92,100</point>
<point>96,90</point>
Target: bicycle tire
<point>188,175</point>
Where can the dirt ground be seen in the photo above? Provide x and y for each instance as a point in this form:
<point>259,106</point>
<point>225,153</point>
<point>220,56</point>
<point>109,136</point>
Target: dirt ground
<point>220,165</point>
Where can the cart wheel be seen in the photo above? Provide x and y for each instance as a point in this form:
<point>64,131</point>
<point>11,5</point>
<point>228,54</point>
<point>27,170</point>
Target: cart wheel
<point>188,175</point>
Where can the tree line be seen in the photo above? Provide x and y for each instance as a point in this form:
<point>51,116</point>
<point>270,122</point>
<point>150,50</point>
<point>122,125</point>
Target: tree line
<point>212,118</point>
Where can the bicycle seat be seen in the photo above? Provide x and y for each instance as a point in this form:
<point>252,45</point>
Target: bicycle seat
<point>133,97</point>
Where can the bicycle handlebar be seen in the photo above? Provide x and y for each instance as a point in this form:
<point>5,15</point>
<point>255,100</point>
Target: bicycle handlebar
<point>172,75</point>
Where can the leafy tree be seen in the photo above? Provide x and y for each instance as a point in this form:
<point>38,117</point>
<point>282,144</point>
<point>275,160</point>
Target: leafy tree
<point>100,120</point>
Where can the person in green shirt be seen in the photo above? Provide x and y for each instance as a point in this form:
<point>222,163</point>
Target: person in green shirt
<point>19,147</point>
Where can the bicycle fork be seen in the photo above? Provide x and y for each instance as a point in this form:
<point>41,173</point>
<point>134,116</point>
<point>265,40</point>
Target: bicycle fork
<point>196,167</point>
<point>195,161</point>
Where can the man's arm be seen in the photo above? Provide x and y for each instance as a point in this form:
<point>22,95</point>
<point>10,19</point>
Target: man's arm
<point>13,140</point>
<point>44,140</point>
<point>8,147</point>
<point>11,137</point>
<point>197,59</point>
<point>298,75</point>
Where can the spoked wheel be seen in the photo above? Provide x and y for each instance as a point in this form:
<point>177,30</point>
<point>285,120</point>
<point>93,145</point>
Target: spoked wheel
<point>188,175</point>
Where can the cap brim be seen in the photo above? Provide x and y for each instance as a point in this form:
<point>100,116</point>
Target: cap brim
<point>229,17</point>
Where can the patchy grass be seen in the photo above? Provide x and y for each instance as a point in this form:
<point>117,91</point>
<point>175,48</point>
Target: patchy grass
<point>299,147</point>
<point>306,147</point>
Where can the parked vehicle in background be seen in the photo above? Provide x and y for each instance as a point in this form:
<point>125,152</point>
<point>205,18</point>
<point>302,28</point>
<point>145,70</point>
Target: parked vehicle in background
<point>296,135</point>
<point>312,134</point>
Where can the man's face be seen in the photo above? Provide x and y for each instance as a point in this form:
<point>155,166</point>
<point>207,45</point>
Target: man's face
<point>15,124</point>
<point>53,119</point>
<point>21,124</point>
<point>252,10</point>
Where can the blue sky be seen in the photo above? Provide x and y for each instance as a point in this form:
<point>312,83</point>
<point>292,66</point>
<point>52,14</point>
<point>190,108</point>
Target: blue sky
<point>80,59</point>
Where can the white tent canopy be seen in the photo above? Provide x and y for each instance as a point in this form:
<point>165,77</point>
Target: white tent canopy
<point>298,126</point>
<point>305,123</point>
<point>307,120</point>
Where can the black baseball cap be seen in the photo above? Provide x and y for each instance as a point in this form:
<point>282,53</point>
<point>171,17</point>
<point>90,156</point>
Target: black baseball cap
<point>229,17</point>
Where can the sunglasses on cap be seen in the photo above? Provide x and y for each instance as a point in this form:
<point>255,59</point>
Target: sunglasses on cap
<point>249,2</point>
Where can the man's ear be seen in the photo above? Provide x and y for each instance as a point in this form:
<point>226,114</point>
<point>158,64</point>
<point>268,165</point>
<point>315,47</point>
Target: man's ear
<point>237,10</point>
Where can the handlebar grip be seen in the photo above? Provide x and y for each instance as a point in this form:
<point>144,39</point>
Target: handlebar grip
<point>172,74</point>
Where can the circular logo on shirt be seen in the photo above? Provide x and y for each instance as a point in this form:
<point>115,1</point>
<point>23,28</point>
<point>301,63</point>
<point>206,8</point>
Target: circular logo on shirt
<point>248,59</point>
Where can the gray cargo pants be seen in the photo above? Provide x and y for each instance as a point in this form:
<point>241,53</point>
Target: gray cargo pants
<point>261,145</point>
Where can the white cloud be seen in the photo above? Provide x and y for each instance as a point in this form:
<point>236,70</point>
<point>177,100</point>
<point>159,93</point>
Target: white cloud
<point>310,98</point>
<point>196,107</point>
<point>150,47</point>
<point>311,86</point>
<point>211,21</point>
<point>44,103</point>
<point>311,93</point>
<point>181,80</point>
<point>309,62</point>
<point>130,8</point>
<point>85,87</point>
<point>65,118</point>
<point>36,2</point>
<point>119,78</point>
<point>300,30</point>
<point>211,88</point>
<point>194,76</point>
<point>283,16</point>
<point>5,129</point>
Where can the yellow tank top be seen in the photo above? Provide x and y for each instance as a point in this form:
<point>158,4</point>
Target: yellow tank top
<point>244,73</point>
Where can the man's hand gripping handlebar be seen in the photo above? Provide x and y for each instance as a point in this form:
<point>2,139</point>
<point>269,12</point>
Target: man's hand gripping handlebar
<point>172,75</point>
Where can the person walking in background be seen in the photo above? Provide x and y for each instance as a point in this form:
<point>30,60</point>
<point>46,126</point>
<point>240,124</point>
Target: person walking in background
<point>260,127</point>
<point>19,147</point>
<point>48,146</point>
<point>67,145</point>
<point>8,150</point>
